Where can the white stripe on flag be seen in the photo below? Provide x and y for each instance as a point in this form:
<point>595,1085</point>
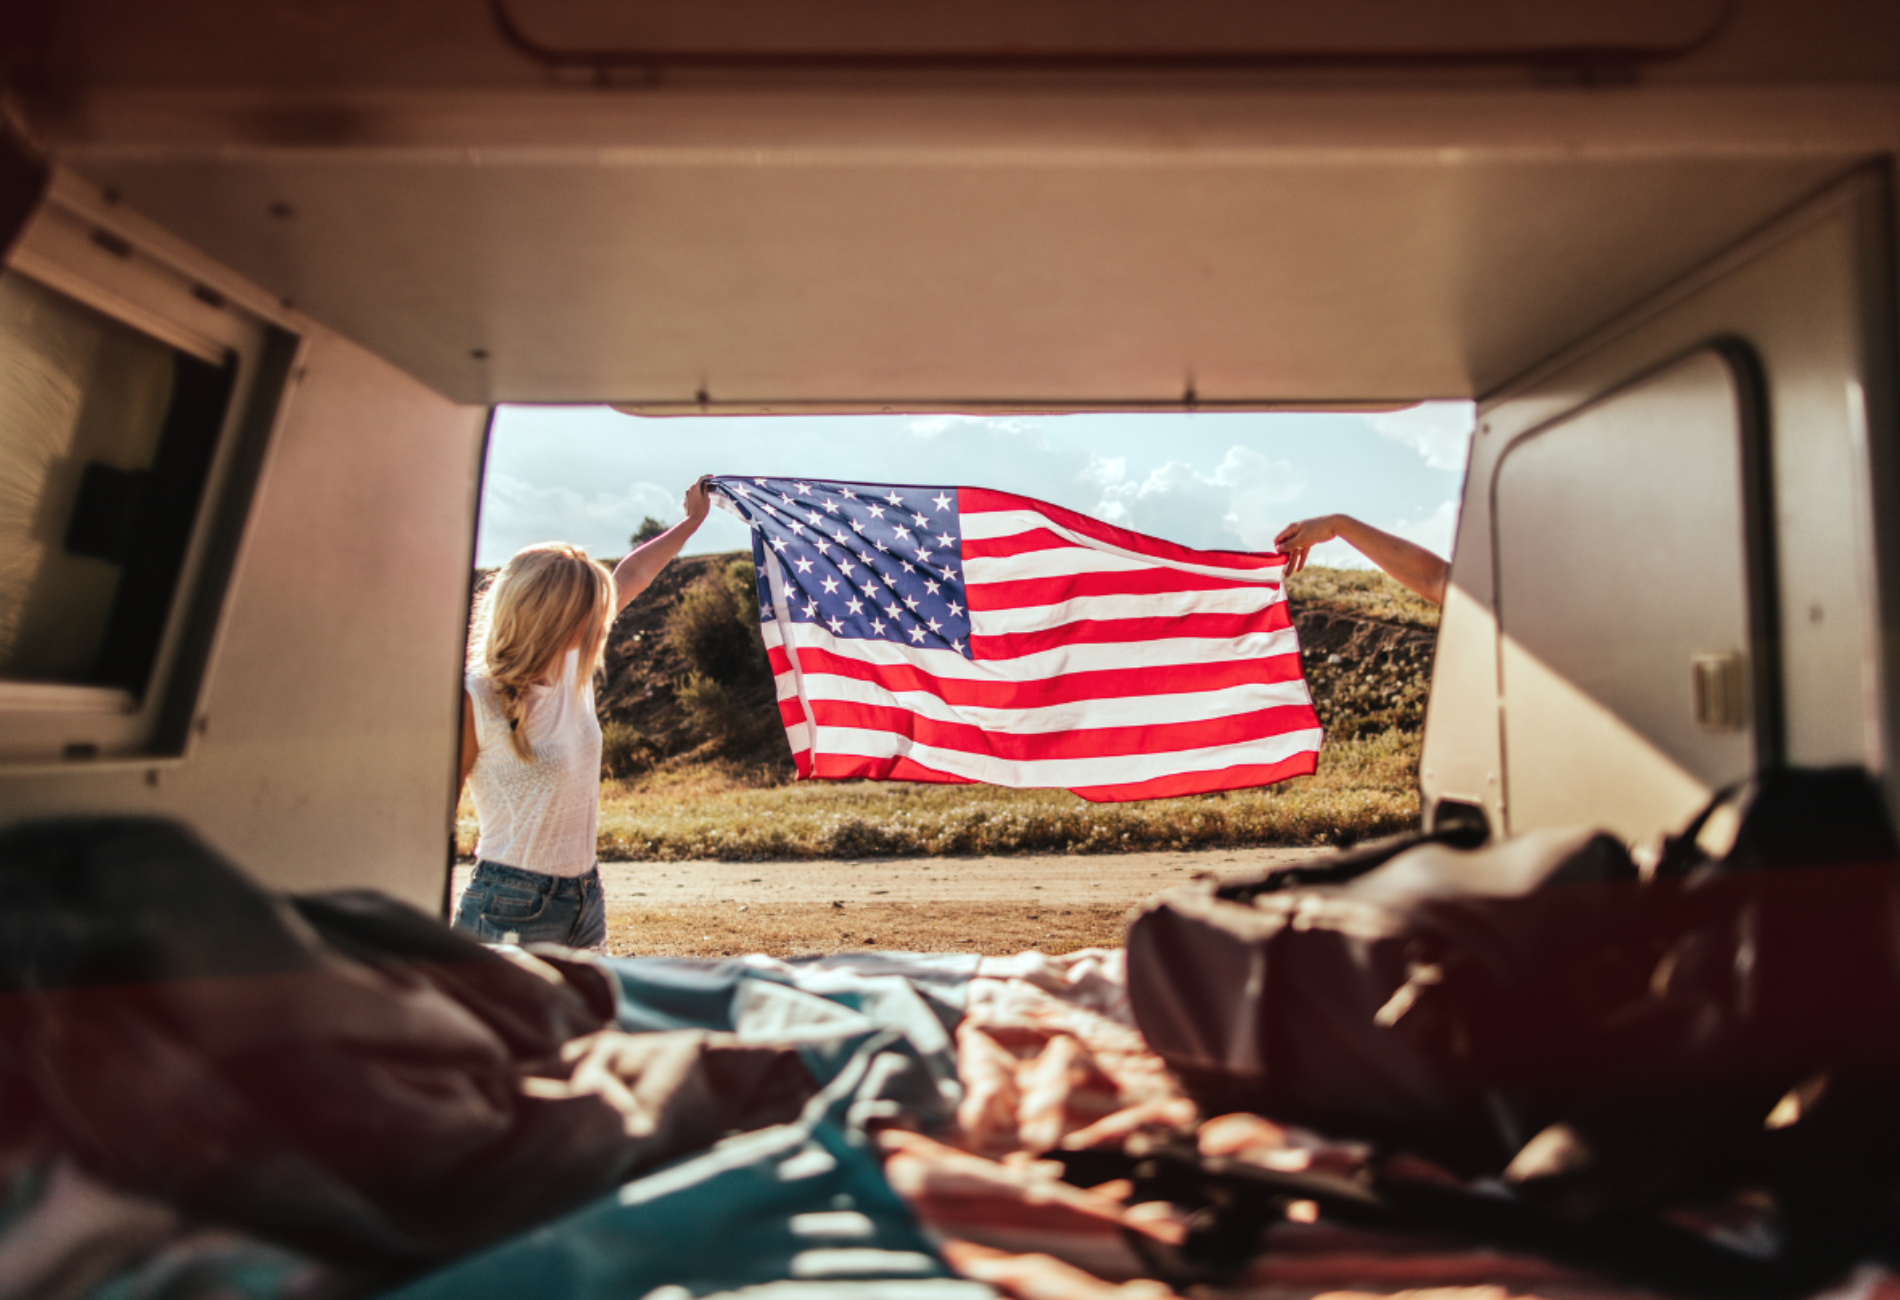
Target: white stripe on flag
<point>987,525</point>
<point>1117,711</point>
<point>1170,604</point>
<point>1166,652</point>
<point>1062,561</point>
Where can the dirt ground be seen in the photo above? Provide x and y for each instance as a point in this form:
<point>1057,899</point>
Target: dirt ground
<point>995,906</point>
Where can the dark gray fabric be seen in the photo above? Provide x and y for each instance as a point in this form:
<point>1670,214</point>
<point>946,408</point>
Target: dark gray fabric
<point>23,177</point>
<point>1611,1046</point>
<point>1323,1003</point>
<point>21,185</point>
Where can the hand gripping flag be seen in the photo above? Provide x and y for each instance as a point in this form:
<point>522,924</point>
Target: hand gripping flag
<point>959,634</point>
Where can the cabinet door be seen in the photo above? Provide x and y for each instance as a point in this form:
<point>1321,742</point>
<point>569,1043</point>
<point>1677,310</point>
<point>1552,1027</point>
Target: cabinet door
<point>1626,604</point>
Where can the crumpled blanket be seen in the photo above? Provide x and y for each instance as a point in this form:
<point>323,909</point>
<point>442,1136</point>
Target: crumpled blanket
<point>1048,1054</point>
<point>1049,1058</point>
<point>338,1074</point>
<point>797,1211</point>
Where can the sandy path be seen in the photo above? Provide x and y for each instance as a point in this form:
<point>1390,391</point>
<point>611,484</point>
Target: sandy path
<point>1118,879</point>
<point>1054,902</point>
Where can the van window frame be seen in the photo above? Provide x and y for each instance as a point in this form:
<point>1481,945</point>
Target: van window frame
<point>67,726</point>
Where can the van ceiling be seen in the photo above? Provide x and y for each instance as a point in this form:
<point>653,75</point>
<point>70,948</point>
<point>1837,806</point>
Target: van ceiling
<point>759,240</point>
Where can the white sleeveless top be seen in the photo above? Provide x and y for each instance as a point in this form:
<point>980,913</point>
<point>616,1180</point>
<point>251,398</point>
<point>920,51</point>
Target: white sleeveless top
<point>540,816</point>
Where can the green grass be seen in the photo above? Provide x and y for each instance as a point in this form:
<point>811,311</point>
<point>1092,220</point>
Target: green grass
<point>1364,787</point>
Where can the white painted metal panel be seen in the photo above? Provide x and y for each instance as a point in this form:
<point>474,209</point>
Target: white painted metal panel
<point>758,277</point>
<point>1620,535</point>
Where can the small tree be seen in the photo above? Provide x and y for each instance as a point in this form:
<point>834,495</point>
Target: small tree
<point>649,529</point>
<point>715,625</point>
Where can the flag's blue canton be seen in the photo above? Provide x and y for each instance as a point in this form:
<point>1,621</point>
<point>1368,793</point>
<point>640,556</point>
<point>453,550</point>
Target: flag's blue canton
<point>866,560</point>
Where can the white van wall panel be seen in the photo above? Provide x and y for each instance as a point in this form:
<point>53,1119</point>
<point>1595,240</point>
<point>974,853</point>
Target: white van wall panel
<point>335,696</point>
<point>1463,756</point>
<point>332,707</point>
<point>1799,295</point>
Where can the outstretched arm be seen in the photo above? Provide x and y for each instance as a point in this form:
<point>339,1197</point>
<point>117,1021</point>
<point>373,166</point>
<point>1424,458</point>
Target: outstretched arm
<point>633,574</point>
<point>1407,562</point>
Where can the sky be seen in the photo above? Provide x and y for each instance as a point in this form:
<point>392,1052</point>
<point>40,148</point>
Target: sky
<point>589,475</point>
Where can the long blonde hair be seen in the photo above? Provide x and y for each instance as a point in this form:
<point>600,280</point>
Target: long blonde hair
<point>530,614</point>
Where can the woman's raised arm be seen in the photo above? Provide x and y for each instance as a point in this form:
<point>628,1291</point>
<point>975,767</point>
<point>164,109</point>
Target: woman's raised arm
<point>633,574</point>
<point>1407,562</point>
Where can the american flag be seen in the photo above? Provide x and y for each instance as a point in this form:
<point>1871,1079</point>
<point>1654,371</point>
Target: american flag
<point>960,634</point>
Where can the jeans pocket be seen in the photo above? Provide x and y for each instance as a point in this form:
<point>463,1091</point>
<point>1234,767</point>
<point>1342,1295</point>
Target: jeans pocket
<point>504,906</point>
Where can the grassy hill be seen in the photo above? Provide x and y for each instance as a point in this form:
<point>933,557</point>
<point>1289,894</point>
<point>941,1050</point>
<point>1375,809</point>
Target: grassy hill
<point>698,765</point>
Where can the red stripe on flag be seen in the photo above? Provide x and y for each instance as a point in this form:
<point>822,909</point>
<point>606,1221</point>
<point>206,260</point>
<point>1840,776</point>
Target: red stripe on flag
<point>1010,645</point>
<point>846,767</point>
<point>1090,742</point>
<point>1099,684</point>
<point>1245,777</point>
<point>839,767</point>
<point>1024,592</point>
<point>1001,548</point>
<point>978,500</point>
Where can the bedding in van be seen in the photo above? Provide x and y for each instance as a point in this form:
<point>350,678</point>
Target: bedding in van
<point>210,1090</point>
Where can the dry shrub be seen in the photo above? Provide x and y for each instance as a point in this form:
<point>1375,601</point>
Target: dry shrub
<point>714,626</point>
<point>712,712</point>
<point>624,752</point>
<point>715,630</point>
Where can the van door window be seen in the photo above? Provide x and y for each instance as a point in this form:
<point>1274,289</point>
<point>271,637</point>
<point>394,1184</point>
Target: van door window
<point>107,438</point>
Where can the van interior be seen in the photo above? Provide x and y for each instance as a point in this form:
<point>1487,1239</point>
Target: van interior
<point>269,266</point>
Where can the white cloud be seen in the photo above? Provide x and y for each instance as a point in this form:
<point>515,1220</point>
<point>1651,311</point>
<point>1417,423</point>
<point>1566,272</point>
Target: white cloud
<point>1108,475</point>
<point>517,513</point>
<point>1438,431</point>
<point>1183,504</point>
<point>1435,531</point>
<point>1337,555</point>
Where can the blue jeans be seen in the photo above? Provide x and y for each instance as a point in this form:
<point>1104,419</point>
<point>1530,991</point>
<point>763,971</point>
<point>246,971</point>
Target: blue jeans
<point>508,905</point>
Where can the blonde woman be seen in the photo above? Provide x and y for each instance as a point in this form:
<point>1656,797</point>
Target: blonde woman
<point>531,743</point>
